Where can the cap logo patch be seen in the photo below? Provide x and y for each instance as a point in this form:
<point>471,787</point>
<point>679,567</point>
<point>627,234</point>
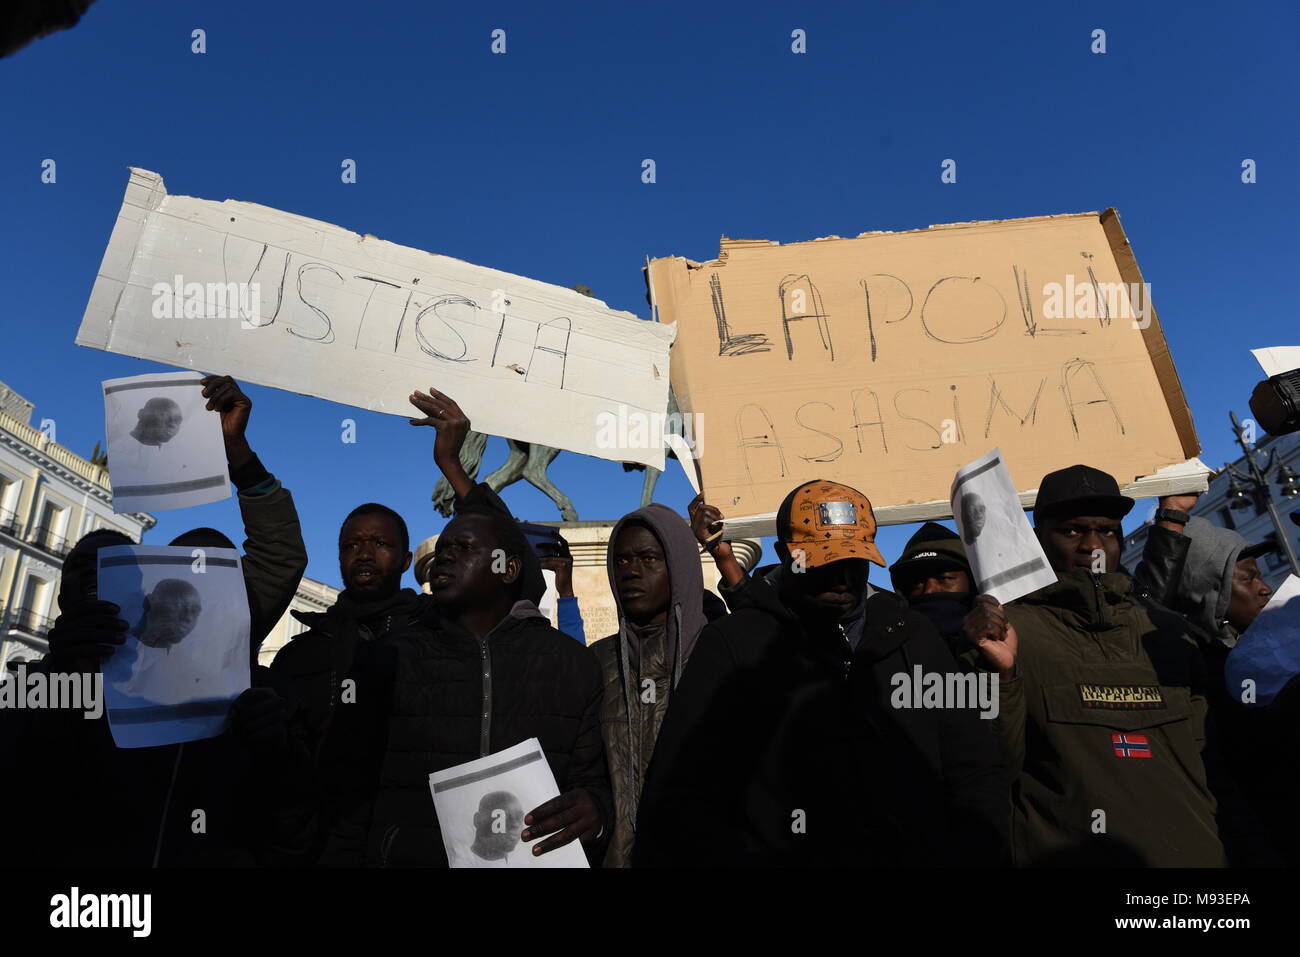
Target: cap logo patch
<point>837,513</point>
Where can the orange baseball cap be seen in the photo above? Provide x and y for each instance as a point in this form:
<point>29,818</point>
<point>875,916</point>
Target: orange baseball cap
<point>828,522</point>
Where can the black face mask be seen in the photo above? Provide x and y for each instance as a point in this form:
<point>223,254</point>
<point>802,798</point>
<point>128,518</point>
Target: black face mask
<point>946,610</point>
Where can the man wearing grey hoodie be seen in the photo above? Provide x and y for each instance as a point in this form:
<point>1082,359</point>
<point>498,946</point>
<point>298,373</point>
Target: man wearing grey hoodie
<point>658,585</point>
<point>1208,574</point>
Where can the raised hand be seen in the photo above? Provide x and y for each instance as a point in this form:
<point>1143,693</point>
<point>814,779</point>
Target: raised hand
<point>228,400</point>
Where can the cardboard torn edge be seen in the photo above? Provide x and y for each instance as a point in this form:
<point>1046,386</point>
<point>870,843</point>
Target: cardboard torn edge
<point>726,244</point>
<point>158,193</point>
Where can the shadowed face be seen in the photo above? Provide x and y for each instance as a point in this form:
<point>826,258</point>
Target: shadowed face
<point>1250,593</point>
<point>828,592</point>
<point>641,575</point>
<point>470,569</point>
<point>158,422</point>
<point>170,613</point>
<point>1078,542</point>
<point>936,580</point>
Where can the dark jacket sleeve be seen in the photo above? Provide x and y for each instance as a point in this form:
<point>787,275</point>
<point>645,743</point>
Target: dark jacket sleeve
<point>275,558</point>
<point>976,785</point>
<point>1161,568</point>
<point>587,768</point>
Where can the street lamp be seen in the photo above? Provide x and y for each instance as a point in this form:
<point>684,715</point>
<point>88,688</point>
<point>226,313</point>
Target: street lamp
<point>1256,487</point>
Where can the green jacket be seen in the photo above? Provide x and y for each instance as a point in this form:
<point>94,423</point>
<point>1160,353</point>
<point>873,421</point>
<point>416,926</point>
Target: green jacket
<point>1103,729</point>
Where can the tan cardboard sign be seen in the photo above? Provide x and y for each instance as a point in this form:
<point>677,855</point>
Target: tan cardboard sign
<point>889,361</point>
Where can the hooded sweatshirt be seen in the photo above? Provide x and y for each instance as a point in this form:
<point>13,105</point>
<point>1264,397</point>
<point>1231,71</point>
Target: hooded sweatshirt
<point>1192,573</point>
<point>640,667</point>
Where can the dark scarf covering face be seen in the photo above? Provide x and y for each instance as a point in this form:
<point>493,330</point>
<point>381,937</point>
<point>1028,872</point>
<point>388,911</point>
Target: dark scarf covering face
<point>946,611</point>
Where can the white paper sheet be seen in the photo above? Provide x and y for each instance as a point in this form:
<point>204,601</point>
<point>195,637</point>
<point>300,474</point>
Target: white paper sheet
<point>1277,359</point>
<point>481,806</point>
<point>361,321</point>
<point>164,448</point>
<point>1004,554</point>
<point>1268,653</point>
<point>186,655</point>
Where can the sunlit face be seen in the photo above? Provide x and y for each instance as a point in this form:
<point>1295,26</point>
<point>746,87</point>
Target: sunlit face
<point>1250,593</point>
<point>641,575</point>
<point>1081,541</point>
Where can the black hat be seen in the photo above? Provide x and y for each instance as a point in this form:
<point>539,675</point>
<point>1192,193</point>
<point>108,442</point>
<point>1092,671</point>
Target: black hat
<point>933,546</point>
<point>1269,544</point>
<point>1079,490</point>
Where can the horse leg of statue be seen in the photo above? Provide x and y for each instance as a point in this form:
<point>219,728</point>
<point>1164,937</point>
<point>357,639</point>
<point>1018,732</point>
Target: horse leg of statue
<point>513,470</point>
<point>539,460</point>
<point>648,486</point>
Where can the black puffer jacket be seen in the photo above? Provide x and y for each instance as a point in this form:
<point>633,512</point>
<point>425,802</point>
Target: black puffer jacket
<point>759,762</point>
<point>947,787</point>
<point>422,687</point>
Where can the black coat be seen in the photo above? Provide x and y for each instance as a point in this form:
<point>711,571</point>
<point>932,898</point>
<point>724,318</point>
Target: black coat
<point>777,719</point>
<point>420,698</point>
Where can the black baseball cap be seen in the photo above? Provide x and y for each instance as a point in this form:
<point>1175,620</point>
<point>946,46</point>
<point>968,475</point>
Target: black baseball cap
<point>1269,544</point>
<point>1079,490</point>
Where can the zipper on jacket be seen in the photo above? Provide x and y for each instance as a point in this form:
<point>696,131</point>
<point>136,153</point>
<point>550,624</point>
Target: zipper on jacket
<point>386,844</point>
<point>485,732</point>
<point>1100,620</point>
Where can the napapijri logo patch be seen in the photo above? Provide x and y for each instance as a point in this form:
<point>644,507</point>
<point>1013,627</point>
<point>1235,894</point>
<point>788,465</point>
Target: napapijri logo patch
<point>1121,697</point>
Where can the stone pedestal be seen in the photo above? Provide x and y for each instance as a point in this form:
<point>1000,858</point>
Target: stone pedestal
<point>589,543</point>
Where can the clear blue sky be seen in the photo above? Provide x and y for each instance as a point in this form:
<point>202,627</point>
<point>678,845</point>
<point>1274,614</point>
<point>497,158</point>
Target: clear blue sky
<point>530,162</point>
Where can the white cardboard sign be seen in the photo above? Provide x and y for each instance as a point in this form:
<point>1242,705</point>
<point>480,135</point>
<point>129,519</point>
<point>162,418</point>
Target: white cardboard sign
<point>290,302</point>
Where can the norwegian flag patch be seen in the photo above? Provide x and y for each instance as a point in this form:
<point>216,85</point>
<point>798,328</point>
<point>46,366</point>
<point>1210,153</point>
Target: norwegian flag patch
<point>1131,745</point>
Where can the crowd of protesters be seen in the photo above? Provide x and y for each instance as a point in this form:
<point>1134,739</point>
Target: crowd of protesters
<point>756,729</point>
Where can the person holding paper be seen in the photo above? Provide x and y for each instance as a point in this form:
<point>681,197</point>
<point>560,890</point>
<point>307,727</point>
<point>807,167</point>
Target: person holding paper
<point>390,685</point>
<point>149,794</point>
<point>1103,709</point>
<point>781,747</point>
<point>658,586</point>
